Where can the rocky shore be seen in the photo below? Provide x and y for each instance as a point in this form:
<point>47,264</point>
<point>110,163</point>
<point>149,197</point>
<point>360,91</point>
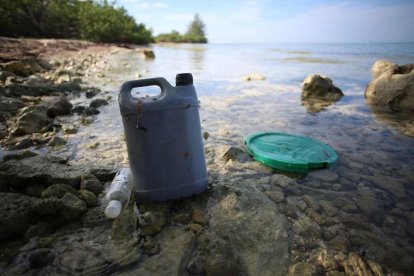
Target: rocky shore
<point>352,220</point>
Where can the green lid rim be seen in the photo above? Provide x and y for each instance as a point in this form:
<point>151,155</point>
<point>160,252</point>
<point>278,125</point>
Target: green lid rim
<point>297,167</point>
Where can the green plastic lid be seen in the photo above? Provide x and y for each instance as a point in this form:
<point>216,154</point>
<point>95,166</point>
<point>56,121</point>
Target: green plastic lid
<point>290,153</point>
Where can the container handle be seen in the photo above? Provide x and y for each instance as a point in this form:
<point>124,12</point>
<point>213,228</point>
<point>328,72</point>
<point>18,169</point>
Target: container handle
<point>125,96</point>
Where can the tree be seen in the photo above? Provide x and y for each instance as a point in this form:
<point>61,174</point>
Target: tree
<point>196,31</point>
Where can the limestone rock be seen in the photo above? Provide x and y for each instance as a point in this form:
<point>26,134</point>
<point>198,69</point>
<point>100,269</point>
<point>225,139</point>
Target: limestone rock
<point>320,87</point>
<point>252,228</point>
<point>18,154</point>
<point>94,217</point>
<point>91,183</point>
<point>16,67</point>
<point>33,119</point>
<point>98,102</point>
<point>392,86</point>
<point>175,248</point>
<point>382,66</point>
<point>68,86</point>
<point>148,53</point>
<point>58,107</point>
<point>89,198</point>
<point>40,170</point>
<point>14,214</point>
<point>254,77</point>
<point>15,89</point>
<point>152,222</point>
<point>9,105</point>
<point>57,141</point>
<point>59,191</point>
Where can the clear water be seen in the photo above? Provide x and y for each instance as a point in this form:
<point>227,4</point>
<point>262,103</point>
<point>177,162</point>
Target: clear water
<point>376,152</point>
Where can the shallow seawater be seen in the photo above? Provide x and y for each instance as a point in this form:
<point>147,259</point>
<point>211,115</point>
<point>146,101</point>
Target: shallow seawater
<point>371,184</point>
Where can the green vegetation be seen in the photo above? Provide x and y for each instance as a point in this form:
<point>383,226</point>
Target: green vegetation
<point>98,21</point>
<point>195,33</point>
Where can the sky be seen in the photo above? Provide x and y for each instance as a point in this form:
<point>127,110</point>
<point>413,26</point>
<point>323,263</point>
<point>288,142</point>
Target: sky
<point>282,21</point>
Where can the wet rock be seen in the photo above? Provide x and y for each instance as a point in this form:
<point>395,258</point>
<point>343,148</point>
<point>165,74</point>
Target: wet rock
<point>300,269</point>
<point>9,105</point>
<point>78,109</point>
<point>69,129</point>
<point>94,217</point>
<point>151,247</point>
<point>18,154</point>
<point>152,222</point>
<point>91,183</point>
<point>125,225</point>
<point>91,92</point>
<point>68,208</point>
<point>57,141</point>
<point>59,191</point>
<point>355,265</point>
<point>40,258</point>
<point>16,67</point>
<point>38,229</point>
<point>89,111</point>
<point>195,228</point>
<point>320,87</point>
<point>104,173</point>
<point>392,86</point>
<point>32,120</point>
<point>17,90</point>
<point>241,218</point>
<point>4,75</point>
<point>254,77</point>
<point>43,170</point>
<point>148,53</point>
<point>15,217</point>
<point>327,260</point>
<point>235,154</point>
<point>89,198</point>
<point>58,107</point>
<point>307,228</point>
<point>98,102</point>
<point>220,260</point>
<point>311,202</point>
<point>205,135</point>
<point>314,106</point>
<point>175,250</point>
<point>276,196</point>
<point>68,86</point>
<point>198,216</point>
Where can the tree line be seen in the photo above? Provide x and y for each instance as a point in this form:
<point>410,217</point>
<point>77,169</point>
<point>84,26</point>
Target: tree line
<point>195,33</point>
<point>98,21</point>
<point>95,20</point>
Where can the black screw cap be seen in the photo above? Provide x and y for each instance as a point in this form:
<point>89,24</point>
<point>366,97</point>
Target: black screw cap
<point>183,79</point>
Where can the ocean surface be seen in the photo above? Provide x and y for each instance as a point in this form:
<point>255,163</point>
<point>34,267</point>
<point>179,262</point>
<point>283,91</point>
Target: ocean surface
<point>374,176</point>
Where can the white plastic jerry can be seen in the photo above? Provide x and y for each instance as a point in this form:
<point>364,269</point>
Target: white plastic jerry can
<point>164,141</point>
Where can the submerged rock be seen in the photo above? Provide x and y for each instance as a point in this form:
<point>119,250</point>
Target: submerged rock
<point>59,191</point>
<point>148,53</point>
<point>320,87</point>
<point>392,86</point>
<point>98,102</point>
<point>125,225</point>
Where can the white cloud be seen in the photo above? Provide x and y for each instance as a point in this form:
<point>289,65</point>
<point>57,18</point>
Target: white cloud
<point>160,5</point>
